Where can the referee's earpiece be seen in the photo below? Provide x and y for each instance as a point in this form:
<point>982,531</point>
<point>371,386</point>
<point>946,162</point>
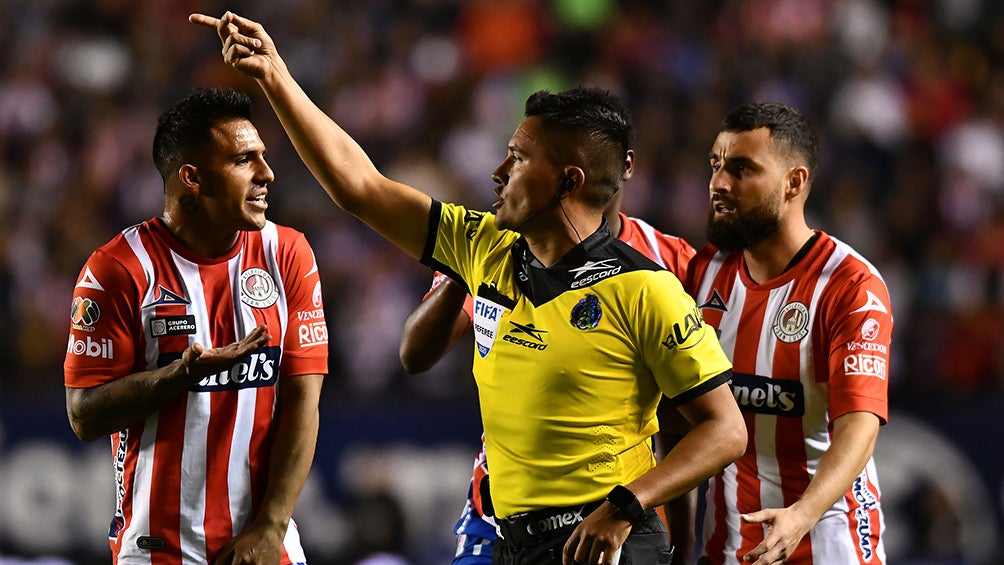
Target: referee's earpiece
<point>566,186</point>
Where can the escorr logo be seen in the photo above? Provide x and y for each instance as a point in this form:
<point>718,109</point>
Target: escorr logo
<point>259,369</point>
<point>763,395</point>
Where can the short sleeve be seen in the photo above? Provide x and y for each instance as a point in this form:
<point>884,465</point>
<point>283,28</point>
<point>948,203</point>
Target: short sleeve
<point>860,316</point>
<point>681,350</point>
<point>103,339</point>
<point>305,350</point>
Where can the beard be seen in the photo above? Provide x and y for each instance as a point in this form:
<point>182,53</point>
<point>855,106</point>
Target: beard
<point>743,230</point>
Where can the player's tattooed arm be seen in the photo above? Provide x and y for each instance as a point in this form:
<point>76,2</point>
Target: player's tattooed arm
<point>105,409</point>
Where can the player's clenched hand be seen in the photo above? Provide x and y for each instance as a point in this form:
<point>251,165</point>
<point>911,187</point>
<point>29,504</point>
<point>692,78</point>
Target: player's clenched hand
<point>246,46</point>
<point>201,362</point>
<point>596,540</point>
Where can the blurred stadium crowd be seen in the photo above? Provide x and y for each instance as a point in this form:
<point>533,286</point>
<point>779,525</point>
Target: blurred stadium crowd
<point>907,94</point>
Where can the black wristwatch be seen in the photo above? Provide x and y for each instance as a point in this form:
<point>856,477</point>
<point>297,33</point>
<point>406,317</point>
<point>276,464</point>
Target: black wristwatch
<point>624,500</point>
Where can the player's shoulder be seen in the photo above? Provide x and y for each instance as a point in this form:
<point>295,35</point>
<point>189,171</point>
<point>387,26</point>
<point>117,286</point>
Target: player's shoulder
<point>851,275</point>
<point>120,247</point>
<point>849,255</point>
<point>648,230</point>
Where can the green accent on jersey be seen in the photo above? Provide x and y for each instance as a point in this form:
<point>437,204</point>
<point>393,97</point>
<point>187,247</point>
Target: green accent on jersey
<point>569,405</point>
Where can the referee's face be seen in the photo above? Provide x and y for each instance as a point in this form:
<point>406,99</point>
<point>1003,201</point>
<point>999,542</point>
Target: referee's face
<point>527,181</point>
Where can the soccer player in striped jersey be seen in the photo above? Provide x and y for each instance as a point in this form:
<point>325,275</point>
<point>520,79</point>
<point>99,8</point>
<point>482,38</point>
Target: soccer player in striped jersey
<point>198,343</point>
<point>444,316</point>
<point>578,335</point>
<point>807,323</point>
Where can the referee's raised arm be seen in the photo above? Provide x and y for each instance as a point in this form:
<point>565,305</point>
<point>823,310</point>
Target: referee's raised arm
<point>396,211</point>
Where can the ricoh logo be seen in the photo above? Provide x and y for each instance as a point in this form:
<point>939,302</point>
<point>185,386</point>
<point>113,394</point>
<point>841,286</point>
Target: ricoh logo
<point>91,347</point>
<point>259,369</point>
<point>763,395</point>
<point>866,365</point>
<point>314,333</point>
<point>555,522</point>
<point>597,269</point>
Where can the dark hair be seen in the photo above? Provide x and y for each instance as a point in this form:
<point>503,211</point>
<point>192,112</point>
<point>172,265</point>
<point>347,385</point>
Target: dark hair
<point>786,125</point>
<point>601,119</point>
<point>183,130</point>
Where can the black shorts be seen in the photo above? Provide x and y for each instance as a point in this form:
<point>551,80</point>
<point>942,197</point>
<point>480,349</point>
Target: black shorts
<point>647,544</point>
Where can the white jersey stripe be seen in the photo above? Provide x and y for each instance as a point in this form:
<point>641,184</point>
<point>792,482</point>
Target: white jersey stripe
<point>270,243</point>
<point>765,428</point>
<point>139,522</point>
<point>239,465</point>
<point>136,244</point>
<point>653,241</point>
<point>732,519</point>
<point>193,458</point>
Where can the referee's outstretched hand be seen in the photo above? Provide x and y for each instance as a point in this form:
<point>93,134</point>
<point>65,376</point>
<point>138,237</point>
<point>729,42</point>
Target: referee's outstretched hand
<point>246,46</point>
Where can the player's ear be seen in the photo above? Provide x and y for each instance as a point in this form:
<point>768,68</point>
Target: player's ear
<point>798,182</point>
<point>188,174</point>
<point>628,165</point>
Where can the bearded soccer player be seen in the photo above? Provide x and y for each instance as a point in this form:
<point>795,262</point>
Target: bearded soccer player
<point>567,427</point>
<point>807,323</point>
<point>198,343</point>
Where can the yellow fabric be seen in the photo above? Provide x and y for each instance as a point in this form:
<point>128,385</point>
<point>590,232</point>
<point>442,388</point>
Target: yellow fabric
<point>568,412</point>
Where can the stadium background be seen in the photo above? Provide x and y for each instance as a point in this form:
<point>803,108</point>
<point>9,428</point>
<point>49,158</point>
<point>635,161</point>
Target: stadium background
<point>907,94</point>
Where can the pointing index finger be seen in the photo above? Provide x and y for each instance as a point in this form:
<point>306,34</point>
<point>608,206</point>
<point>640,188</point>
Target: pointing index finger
<point>203,19</point>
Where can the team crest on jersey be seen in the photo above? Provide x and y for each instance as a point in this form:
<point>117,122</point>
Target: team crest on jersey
<point>84,313</point>
<point>487,315</point>
<point>587,313</point>
<point>792,322</point>
<point>258,290</point>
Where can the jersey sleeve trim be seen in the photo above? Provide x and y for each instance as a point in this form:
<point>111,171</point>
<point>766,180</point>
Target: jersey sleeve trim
<point>712,383</point>
<point>435,211</point>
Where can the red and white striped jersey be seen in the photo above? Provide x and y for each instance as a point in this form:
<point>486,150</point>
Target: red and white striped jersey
<point>190,476</point>
<point>670,252</point>
<point>807,347</point>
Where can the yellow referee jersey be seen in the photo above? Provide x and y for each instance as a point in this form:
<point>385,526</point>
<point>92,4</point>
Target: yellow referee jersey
<point>571,360</point>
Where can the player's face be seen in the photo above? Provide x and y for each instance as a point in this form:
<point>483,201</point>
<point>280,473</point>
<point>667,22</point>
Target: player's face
<point>235,177</point>
<point>527,179</point>
<point>747,189</point>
